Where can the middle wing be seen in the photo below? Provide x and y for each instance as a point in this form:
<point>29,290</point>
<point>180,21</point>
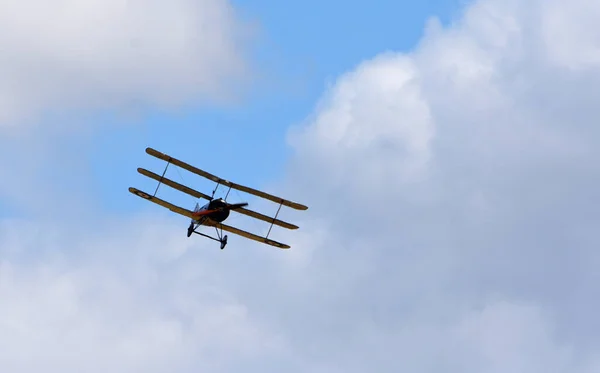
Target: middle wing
<point>195,193</point>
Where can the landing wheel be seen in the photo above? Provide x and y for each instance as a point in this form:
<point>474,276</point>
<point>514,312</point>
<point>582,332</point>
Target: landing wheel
<point>223,242</point>
<point>190,229</point>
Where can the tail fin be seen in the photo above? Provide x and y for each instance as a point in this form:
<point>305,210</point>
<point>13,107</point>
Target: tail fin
<point>196,208</point>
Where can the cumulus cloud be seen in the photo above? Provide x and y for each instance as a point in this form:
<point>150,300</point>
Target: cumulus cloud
<point>451,228</point>
<point>461,174</point>
<point>59,57</point>
<point>129,299</point>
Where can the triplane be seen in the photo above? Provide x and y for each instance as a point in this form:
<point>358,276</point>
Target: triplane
<point>213,213</point>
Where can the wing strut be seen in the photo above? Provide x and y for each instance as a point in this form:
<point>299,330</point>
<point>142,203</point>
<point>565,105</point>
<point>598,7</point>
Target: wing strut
<point>161,178</point>
<point>215,190</point>
<point>227,195</point>
<point>274,219</point>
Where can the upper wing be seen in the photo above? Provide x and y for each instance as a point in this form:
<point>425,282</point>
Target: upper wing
<point>195,193</point>
<point>216,179</point>
<point>158,201</point>
<point>247,234</point>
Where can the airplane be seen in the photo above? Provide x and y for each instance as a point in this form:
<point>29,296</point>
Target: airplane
<point>215,211</point>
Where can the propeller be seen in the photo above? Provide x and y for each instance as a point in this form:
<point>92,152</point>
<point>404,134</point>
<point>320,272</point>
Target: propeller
<point>234,206</point>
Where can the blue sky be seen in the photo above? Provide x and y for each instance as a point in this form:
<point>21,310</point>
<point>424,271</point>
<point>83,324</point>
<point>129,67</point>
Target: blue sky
<point>299,50</point>
<point>302,47</point>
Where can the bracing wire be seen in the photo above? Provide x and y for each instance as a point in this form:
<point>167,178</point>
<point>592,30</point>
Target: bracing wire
<point>179,173</point>
<point>182,180</point>
<point>255,222</point>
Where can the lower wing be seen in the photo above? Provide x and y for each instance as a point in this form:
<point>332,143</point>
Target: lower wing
<point>245,234</point>
<point>165,204</point>
<point>210,223</point>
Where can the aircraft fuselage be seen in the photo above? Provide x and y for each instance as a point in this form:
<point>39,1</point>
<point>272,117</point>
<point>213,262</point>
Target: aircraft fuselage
<point>215,210</point>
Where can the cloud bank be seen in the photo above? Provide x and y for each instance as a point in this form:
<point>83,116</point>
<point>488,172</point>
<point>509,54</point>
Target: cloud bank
<point>452,227</point>
<point>463,176</point>
<point>72,56</point>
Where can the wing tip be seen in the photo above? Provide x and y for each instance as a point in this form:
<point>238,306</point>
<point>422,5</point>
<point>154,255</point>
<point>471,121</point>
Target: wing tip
<point>139,193</point>
<point>155,153</point>
<point>277,244</point>
<point>284,224</point>
<point>296,205</point>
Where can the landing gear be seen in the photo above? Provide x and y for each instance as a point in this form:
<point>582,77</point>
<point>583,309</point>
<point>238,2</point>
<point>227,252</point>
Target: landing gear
<point>222,239</point>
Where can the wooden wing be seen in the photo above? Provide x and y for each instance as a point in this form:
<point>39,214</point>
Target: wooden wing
<point>248,235</point>
<point>216,179</point>
<point>173,184</point>
<point>197,194</point>
<point>160,202</point>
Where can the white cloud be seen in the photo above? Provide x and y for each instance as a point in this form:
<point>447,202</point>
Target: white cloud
<point>61,57</point>
<point>129,299</point>
<point>501,123</point>
<point>506,337</point>
<point>373,94</point>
